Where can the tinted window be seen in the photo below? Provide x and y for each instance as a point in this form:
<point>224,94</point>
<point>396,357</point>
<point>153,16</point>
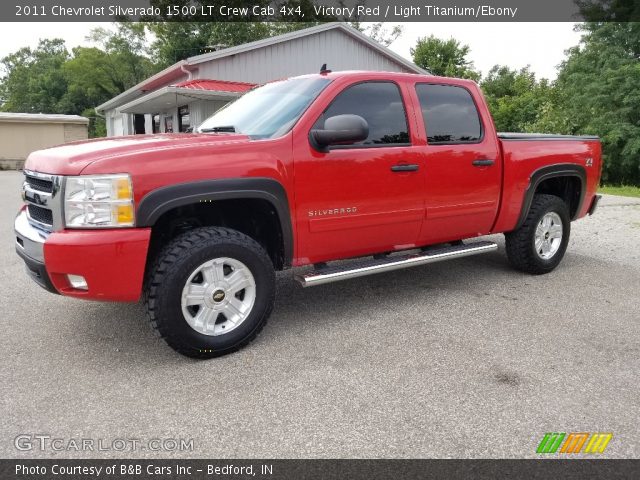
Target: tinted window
<point>449,113</point>
<point>380,104</point>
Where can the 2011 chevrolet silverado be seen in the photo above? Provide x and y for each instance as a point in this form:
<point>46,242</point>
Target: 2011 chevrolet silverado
<point>395,168</point>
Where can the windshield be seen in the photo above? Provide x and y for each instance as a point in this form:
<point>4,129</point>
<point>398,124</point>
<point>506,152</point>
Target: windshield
<point>266,112</point>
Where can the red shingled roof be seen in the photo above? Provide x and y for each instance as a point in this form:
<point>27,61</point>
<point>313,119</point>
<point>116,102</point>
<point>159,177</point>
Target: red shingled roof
<point>216,85</point>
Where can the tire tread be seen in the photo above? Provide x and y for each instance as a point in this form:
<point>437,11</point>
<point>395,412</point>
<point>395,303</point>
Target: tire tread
<point>519,242</point>
<point>175,252</point>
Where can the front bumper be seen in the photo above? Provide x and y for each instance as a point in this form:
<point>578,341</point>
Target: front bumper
<point>30,247</point>
<point>112,261</point>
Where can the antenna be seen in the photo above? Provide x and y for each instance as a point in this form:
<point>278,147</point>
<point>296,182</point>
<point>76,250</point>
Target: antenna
<point>324,70</point>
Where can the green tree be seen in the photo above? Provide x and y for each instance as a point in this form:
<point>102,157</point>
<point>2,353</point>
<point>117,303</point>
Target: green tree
<point>447,58</point>
<point>97,74</point>
<point>515,97</point>
<point>33,80</point>
<point>48,79</point>
<point>379,32</point>
<point>126,47</point>
<point>598,92</point>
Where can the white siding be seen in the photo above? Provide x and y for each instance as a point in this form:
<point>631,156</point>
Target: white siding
<point>297,57</point>
<point>201,110</point>
<point>118,128</point>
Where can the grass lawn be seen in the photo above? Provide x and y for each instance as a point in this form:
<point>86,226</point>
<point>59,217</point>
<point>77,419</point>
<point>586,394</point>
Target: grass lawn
<point>626,191</point>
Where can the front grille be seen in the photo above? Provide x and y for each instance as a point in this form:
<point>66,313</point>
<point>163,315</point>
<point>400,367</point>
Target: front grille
<point>39,214</point>
<point>39,184</point>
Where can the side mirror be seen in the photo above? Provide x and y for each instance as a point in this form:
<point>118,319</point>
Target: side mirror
<point>340,130</point>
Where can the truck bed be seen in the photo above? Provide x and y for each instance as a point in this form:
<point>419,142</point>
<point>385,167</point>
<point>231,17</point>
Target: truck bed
<point>526,153</point>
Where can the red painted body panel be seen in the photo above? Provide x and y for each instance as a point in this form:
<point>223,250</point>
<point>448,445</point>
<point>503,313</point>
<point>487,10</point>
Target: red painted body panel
<point>343,203</point>
<point>112,262</point>
<point>522,158</point>
<point>377,210</point>
<point>461,200</point>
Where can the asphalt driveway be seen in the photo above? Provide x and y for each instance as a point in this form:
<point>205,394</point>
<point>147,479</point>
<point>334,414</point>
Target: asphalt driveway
<point>466,358</point>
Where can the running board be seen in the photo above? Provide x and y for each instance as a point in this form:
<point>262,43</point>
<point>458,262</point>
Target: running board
<point>369,267</point>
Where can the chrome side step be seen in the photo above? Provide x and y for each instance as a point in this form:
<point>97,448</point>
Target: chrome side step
<point>369,267</point>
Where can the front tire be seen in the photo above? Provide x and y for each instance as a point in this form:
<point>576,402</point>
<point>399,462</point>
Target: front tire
<point>539,245</point>
<point>210,292</point>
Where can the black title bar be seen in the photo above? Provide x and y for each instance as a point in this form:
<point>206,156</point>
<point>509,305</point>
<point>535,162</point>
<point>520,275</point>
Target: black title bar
<point>319,469</point>
<point>319,10</point>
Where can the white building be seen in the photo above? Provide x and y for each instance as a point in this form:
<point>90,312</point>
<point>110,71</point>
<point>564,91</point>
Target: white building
<point>185,94</point>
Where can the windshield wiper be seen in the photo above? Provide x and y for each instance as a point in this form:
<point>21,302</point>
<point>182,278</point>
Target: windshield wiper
<point>221,129</point>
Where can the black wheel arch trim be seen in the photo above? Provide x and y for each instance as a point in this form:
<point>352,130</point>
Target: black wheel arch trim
<point>553,171</point>
<point>157,202</point>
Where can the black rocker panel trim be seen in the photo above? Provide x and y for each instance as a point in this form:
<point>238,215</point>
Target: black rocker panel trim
<point>552,171</point>
<point>161,200</point>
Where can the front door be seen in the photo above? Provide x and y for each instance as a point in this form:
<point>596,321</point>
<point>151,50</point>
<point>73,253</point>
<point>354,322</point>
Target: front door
<point>363,198</point>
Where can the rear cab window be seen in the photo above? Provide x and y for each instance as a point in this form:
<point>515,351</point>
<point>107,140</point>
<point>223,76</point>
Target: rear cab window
<point>380,104</point>
<point>450,114</point>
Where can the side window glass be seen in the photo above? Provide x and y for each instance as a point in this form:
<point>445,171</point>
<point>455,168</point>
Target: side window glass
<point>380,104</point>
<point>450,114</point>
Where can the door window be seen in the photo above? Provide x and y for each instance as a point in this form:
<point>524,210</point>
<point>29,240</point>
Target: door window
<point>450,114</point>
<point>380,104</point>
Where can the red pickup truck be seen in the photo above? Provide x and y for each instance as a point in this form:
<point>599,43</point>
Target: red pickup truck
<point>394,168</point>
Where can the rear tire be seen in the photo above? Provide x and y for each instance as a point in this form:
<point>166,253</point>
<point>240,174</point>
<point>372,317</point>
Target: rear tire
<point>538,246</point>
<point>210,292</point>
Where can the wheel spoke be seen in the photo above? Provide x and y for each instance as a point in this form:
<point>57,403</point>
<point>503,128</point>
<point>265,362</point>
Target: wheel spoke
<point>234,310</point>
<point>539,242</point>
<point>555,231</point>
<point>238,281</point>
<point>195,295</point>
<point>213,272</point>
<point>205,318</point>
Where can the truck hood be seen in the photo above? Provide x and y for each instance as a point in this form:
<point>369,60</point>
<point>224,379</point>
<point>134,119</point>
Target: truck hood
<point>73,158</point>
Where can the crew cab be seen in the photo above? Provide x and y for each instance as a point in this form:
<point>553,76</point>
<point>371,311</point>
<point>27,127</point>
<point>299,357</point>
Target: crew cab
<point>399,170</point>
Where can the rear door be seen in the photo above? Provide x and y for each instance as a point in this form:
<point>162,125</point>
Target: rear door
<point>363,198</point>
<point>463,167</point>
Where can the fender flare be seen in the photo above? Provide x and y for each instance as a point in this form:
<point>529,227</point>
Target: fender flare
<point>552,171</point>
<point>159,201</point>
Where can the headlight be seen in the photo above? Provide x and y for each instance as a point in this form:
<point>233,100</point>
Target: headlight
<point>98,201</point>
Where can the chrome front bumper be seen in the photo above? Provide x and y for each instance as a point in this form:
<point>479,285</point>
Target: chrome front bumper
<point>29,239</point>
<point>30,246</point>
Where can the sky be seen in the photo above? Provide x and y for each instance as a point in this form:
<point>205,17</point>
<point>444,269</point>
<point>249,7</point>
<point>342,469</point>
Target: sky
<point>540,45</point>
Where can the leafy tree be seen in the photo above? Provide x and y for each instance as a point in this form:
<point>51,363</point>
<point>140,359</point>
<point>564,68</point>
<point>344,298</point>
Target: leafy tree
<point>33,80</point>
<point>48,79</point>
<point>515,97</point>
<point>127,48</point>
<point>598,92</point>
<point>379,33</point>
<point>447,58</point>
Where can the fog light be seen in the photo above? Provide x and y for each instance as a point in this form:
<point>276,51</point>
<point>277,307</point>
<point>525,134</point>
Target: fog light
<point>78,281</point>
